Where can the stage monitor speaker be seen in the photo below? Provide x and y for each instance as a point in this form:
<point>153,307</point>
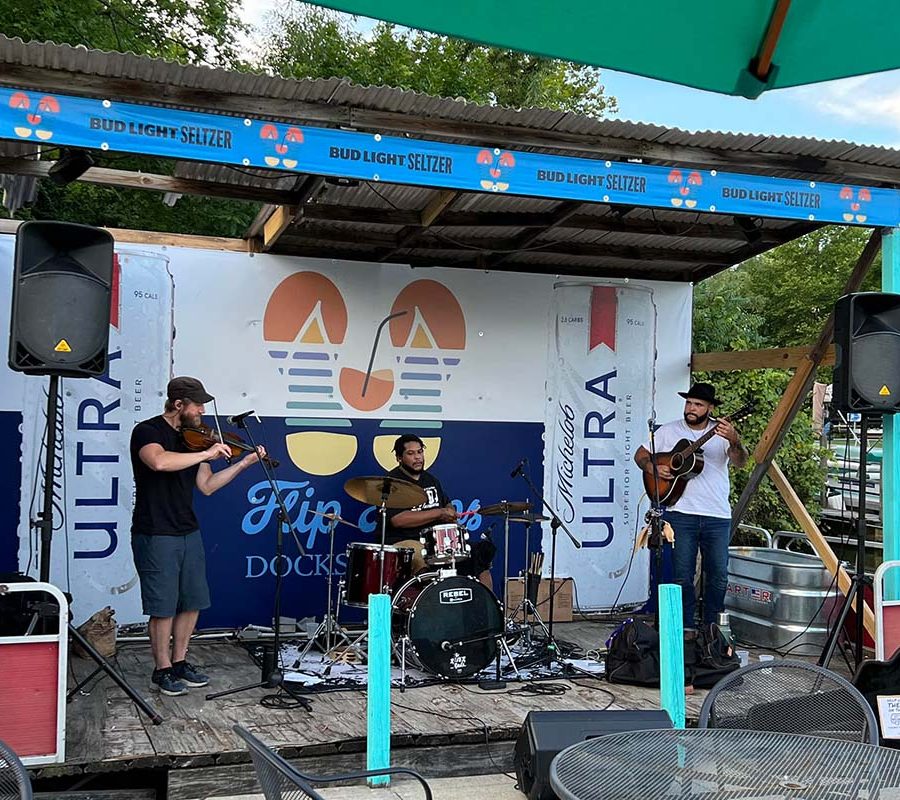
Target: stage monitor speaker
<point>62,286</point>
<point>867,353</point>
<point>545,733</point>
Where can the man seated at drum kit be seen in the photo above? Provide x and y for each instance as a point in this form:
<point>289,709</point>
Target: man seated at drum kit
<point>431,529</point>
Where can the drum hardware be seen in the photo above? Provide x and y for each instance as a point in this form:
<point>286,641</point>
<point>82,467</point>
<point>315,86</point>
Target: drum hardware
<point>555,524</point>
<point>329,624</point>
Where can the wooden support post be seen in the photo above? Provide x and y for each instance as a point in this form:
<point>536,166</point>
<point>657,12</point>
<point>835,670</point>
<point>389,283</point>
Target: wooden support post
<point>378,706</point>
<point>817,540</point>
<point>799,387</point>
<point>671,653</point>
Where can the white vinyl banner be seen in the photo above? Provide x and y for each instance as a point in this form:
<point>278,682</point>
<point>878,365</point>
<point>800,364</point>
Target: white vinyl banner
<point>93,483</point>
<point>600,394</point>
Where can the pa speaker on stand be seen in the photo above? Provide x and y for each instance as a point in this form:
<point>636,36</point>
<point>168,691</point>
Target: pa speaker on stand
<point>867,353</point>
<point>62,285</point>
<point>59,326</point>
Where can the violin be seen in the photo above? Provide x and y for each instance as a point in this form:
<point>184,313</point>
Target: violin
<point>203,437</point>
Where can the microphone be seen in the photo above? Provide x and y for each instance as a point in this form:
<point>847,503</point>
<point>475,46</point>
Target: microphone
<point>518,469</point>
<point>237,419</point>
<point>486,534</point>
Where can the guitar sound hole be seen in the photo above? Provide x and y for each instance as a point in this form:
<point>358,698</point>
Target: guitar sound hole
<point>676,462</point>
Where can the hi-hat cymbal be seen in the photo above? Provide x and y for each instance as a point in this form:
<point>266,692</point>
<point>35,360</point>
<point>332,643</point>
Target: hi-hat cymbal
<point>335,517</point>
<point>399,493</point>
<point>505,507</point>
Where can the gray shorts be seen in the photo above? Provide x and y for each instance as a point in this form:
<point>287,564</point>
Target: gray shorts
<point>172,570</point>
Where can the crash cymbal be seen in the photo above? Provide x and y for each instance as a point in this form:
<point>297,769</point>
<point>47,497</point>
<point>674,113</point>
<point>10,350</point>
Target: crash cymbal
<point>400,493</point>
<point>529,518</point>
<point>505,507</point>
<point>336,517</point>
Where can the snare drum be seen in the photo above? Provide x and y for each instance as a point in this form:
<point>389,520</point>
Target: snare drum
<point>445,543</point>
<point>364,571</point>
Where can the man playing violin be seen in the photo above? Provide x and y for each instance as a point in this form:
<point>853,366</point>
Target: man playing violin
<point>404,527</point>
<point>165,536</point>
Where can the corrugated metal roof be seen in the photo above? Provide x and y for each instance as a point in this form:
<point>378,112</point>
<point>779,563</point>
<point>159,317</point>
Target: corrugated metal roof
<point>488,231</point>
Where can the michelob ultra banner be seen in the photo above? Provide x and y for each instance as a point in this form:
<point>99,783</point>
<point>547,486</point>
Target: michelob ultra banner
<point>93,486</point>
<point>599,396</point>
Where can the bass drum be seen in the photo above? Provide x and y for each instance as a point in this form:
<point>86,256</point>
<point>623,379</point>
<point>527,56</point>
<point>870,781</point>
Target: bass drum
<point>435,612</point>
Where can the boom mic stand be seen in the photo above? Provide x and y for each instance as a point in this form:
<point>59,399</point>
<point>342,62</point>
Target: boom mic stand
<point>46,526</point>
<point>555,524</point>
<point>272,674</point>
<point>859,579</point>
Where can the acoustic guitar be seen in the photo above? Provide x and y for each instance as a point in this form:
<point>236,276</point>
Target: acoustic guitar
<point>685,461</point>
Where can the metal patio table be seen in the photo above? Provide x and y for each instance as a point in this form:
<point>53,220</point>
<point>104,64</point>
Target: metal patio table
<point>708,764</point>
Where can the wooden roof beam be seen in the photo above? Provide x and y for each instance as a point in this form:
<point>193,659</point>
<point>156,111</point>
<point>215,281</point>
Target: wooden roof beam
<point>439,202</point>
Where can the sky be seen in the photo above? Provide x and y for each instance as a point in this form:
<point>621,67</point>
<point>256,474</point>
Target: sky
<point>864,110</point>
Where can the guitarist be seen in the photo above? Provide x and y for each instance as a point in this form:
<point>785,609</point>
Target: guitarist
<point>701,517</point>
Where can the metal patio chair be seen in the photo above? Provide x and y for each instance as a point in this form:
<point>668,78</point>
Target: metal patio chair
<point>790,697</point>
<point>15,783</point>
<point>281,781</point>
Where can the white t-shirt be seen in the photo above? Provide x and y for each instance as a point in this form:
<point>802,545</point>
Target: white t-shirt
<point>707,493</point>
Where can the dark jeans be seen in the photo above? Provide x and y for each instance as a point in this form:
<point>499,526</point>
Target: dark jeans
<point>711,536</point>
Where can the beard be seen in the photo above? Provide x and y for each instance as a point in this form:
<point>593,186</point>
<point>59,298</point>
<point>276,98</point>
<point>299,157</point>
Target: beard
<point>188,420</point>
<point>696,419</point>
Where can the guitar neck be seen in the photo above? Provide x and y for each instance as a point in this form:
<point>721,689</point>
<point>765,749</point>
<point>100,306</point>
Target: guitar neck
<point>701,441</point>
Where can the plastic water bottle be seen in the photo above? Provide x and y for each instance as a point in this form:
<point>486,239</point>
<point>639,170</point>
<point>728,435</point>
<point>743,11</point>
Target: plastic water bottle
<point>725,627</point>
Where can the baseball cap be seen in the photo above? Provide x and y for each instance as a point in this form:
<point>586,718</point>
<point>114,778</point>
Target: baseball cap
<point>186,388</point>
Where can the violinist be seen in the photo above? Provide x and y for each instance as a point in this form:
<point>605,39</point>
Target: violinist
<point>165,536</point>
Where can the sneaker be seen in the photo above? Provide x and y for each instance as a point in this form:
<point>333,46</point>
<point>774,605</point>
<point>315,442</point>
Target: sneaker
<point>167,683</point>
<point>189,675</point>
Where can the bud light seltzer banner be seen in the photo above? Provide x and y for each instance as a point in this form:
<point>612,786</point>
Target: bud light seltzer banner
<point>600,390</point>
<point>93,485</point>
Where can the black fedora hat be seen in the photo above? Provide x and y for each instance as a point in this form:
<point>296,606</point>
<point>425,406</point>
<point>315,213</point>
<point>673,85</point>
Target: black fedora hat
<point>702,391</point>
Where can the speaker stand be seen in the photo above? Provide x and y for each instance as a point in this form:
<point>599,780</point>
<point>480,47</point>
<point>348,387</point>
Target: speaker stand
<point>46,526</point>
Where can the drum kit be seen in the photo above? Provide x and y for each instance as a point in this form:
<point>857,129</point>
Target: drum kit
<point>444,623</point>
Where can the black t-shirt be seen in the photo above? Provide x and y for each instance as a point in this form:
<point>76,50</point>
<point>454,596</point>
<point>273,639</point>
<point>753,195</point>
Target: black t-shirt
<point>164,502</point>
<point>436,499</point>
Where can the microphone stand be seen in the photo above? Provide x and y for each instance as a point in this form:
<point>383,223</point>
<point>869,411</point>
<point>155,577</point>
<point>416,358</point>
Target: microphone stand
<point>272,674</point>
<point>555,524</point>
<point>655,517</point>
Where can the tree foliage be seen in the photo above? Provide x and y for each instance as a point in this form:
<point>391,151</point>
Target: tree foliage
<point>779,299</point>
<point>192,31</point>
<point>302,42</point>
<point>310,42</point>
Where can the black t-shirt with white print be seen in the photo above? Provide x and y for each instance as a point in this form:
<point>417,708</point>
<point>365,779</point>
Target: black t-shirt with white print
<point>436,499</point>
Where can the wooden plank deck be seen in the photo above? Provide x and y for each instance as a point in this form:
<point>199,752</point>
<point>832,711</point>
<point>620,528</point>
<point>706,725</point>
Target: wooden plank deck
<point>441,729</point>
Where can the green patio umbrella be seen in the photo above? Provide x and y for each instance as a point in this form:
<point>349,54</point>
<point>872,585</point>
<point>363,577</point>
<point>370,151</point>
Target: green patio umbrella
<point>739,47</point>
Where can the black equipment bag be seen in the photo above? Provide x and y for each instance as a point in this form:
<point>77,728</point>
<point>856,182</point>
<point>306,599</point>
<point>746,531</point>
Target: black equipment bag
<point>633,655</point>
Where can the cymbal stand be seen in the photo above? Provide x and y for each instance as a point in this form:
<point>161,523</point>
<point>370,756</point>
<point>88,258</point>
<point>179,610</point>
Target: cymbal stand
<point>329,624</point>
<point>505,555</point>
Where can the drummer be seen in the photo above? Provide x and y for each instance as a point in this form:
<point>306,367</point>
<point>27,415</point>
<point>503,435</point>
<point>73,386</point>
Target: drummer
<point>404,527</point>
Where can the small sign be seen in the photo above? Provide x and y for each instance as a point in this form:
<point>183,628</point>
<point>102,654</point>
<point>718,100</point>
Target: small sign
<point>884,391</point>
<point>62,346</point>
<point>889,715</point>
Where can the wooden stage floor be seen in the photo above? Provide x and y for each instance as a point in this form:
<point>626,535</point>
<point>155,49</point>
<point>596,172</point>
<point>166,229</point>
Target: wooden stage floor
<point>440,730</point>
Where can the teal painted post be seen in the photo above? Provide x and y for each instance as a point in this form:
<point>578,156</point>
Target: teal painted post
<point>378,707</point>
<point>890,463</point>
<point>671,653</point>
